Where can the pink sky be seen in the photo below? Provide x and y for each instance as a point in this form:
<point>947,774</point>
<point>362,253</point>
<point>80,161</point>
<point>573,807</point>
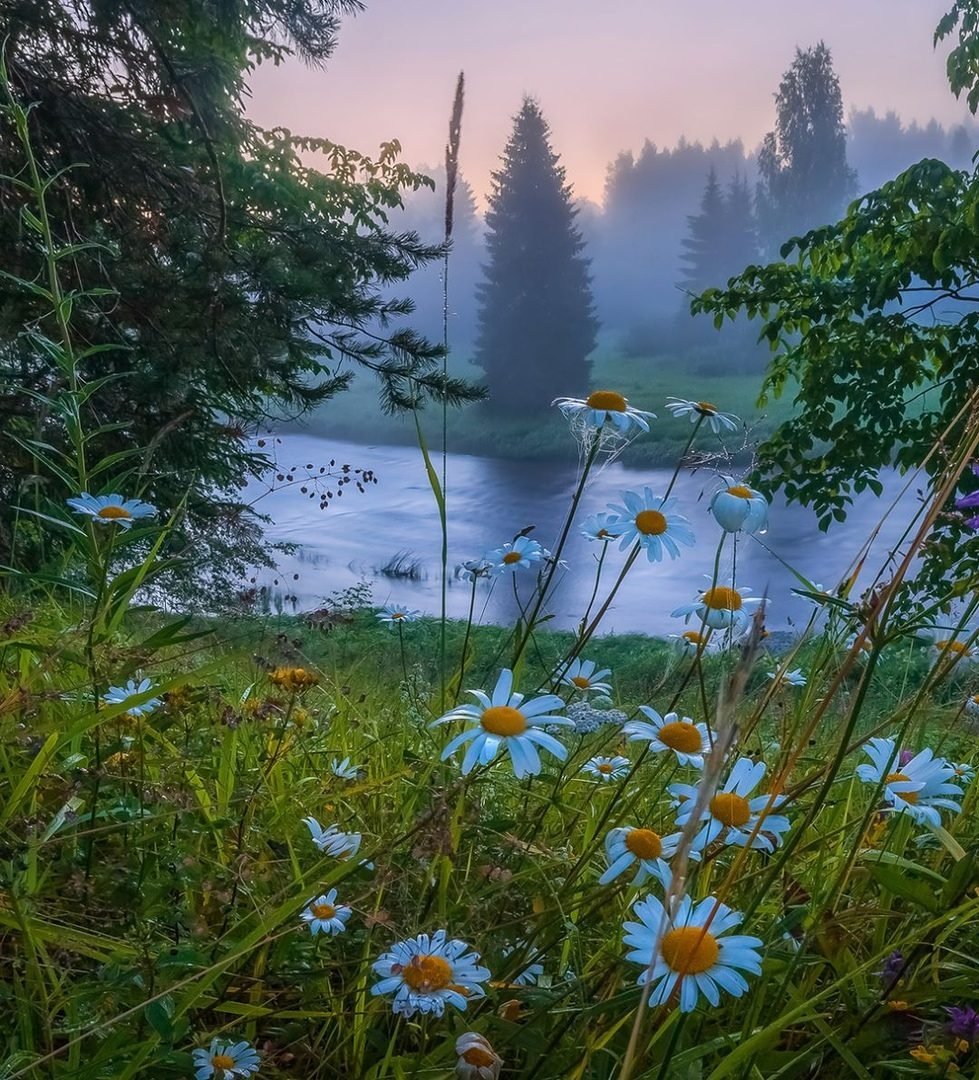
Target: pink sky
<point>607,75</point>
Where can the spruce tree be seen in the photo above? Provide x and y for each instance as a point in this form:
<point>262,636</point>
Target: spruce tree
<point>703,246</point>
<point>740,235</point>
<point>536,324</point>
<point>805,179</point>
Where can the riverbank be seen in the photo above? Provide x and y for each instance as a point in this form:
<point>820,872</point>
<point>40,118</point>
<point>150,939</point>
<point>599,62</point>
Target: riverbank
<point>646,381</point>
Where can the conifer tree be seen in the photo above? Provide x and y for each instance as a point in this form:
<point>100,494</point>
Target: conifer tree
<point>536,324</point>
<point>805,179</point>
<point>702,247</point>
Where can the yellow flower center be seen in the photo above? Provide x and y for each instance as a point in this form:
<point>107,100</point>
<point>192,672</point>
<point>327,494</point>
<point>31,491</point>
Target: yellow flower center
<point>223,1061</point>
<point>681,736</point>
<point>723,598</point>
<point>581,682</point>
<point>975,699</point>
<point>605,768</point>
<point>707,407</point>
<point>604,534</point>
<point>323,911</point>
<point>113,513</point>
<point>956,647</point>
<point>511,557</point>
<point>741,491</point>
<point>899,778</point>
<point>427,974</point>
<point>478,1057</point>
<point>730,809</point>
<point>503,720</point>
<point>689,950</point>
<point>644,843</point>
<point>693,637</point>
<point>650,523</point>
<point>608,400</point>
<point>397,614</point>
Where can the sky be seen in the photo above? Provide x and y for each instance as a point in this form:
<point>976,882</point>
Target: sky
<point>607,75</point>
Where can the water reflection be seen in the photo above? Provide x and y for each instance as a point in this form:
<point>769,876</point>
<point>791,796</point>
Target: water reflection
<point>490,500</point>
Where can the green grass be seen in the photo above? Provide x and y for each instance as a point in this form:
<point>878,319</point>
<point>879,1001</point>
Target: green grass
<point>646,382</point>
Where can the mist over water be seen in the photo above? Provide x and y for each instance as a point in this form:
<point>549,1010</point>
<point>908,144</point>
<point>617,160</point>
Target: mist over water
<point>489,500</point>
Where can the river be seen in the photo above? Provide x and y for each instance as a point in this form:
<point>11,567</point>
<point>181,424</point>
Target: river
<point>489,500</point>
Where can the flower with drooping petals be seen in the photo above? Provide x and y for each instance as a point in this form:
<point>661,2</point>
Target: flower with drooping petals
<point>332,841</point>
<point>397,614</point>
<point>581,675</point>
<point>685,738</point>
<point>600,527</point>
<point>505,722</point>
<point>628,845</point>
<point>795,677</point>
<point>730,815</point>
<point>605,407</point>
<point>648,519</point>
<point>692,642</point>
<point>427,973</point>
<point>343,770</point>
<point>920,787</point>
<point>690,952</point>
<point>737,508</point>
<point>705,411</point>
<point>111,509</point>
<point>477,1058</point>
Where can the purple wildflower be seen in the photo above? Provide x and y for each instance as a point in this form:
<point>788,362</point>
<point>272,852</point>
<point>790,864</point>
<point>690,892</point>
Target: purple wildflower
<point>967,502</point>
<point>904,757</point>
<point>963,1023</point>
<point>892,970</point>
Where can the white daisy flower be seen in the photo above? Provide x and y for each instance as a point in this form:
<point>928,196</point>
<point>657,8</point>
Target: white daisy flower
<point>398,613</point>
<point>690,642</point>
<point>603,407</point>
<point>332,841</point>
<point>737,508</point>
<point>647,518</point>
<point>951,651</point>
<point>963,773</point>
<point>690,951</point>
<point>224,1060</point>
<point>607,768</point>
<point>530,974</point>
<point>119,695</point>
<point>581,675</point>
<point>519,555</point>
<point>477,1058</point>
<point>344,770</point>
<point>475,568</point>
<point>703,410</point>
<point>730,815</point>
<point>325,916</point>
<point>111,509</point>
<point>600,527</point>
<point>972,705</point>
<point>504,721</point>
<point>628,845</point>
<point>721,607</point>
<point>425,974</point>
<point>919,787</point>
<point>795,677</point>
<point>687,739</point>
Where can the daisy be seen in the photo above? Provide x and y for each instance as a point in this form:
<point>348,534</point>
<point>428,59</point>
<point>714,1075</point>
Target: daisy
<point>344,770</point>
<point>530,974</point>
<point>503,721</point>
<point>918,788</point>
<point>689,951</point>
<point>477,1058</point>
<point>690,642</point>
<point>474,569</point>
<point>703,410</point>
<point>730,815</point>
<point>688,740</point>
<point>603,407</point>
<point>721,607</point>
<point>332,841</point>
<point>953,652</point>
<point>627,845</point>
<point>426,974</point>
<point>111,509</point>
<point>519,555</point>
<point>581,675</point>
<point>972,705</point>
<point>324,915</point>
<point>119,695</point>
<point>647,518</point>
<point>600,527</point>
<point>224,1060</point>
<point>737,508</point>
<point>795,677</point>
<point>607,768</point>
<point>394,614</point>
<point>963,773</point>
